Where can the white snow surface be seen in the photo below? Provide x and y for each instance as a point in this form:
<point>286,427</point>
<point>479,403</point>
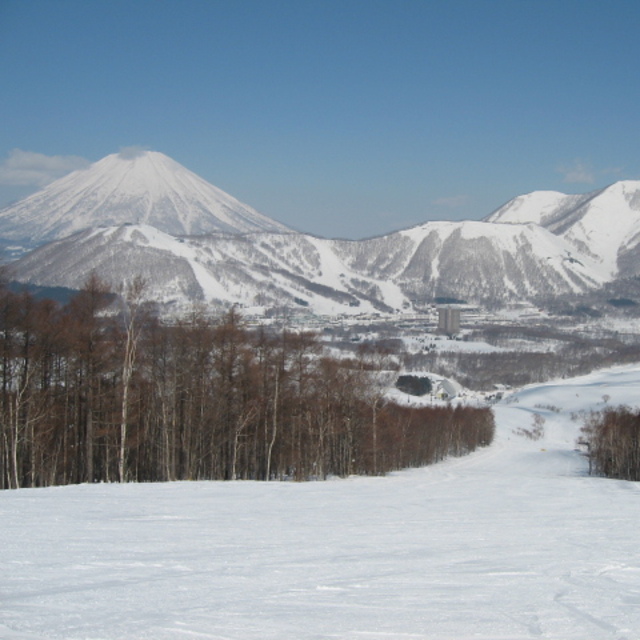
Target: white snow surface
<point>514,541</point>
<point>537,207</point>
<point>610,223</point>
<point>600,223</point>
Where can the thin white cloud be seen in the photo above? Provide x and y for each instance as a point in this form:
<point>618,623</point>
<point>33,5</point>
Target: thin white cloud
<point>128,153</point>
<point>452,202</point>
<point>612,170</point>
<point>27,168</point>
<point>578,172</point>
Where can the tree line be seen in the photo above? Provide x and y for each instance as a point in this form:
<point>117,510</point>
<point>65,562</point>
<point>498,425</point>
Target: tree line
<point>100,390</point>
<point>612,438</point>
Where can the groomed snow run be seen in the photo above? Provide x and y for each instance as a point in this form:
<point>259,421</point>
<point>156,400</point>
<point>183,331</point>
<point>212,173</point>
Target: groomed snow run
<point>515,541</point>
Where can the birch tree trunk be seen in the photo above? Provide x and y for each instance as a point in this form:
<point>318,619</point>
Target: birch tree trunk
<point>133,299</point>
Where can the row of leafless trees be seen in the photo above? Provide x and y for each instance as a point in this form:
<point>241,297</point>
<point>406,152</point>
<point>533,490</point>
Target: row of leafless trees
<point>93,395</point>
<point>613,440</point>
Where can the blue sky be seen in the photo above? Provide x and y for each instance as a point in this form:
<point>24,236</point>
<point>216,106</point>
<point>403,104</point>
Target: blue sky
<point>345,118</point>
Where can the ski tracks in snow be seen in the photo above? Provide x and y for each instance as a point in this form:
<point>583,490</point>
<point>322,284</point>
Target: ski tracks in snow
<point>513,542</point>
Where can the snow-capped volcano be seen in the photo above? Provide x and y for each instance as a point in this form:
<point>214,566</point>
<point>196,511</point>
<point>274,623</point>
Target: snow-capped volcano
<point>130,187</point>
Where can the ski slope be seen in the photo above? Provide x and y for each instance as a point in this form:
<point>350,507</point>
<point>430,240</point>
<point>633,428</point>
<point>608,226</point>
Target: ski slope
<point>513,542</point>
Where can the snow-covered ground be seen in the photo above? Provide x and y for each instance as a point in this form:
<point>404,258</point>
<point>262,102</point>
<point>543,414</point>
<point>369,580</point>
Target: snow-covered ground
<point>512,542</point>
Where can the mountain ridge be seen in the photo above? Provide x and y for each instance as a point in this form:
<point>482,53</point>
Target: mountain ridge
<point>145,214</point>
<point>392,274</point>
<point>604,224</point>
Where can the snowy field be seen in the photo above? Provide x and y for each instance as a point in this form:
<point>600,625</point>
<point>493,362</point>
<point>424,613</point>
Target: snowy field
<point>512,542</point>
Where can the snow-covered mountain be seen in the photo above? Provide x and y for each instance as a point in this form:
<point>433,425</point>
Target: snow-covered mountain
<point>480,262</point>
<point>136,187</point>
<point>604,224</point>
<point>474,261</point>
<point>261,269</point>
<point>144,214</point>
